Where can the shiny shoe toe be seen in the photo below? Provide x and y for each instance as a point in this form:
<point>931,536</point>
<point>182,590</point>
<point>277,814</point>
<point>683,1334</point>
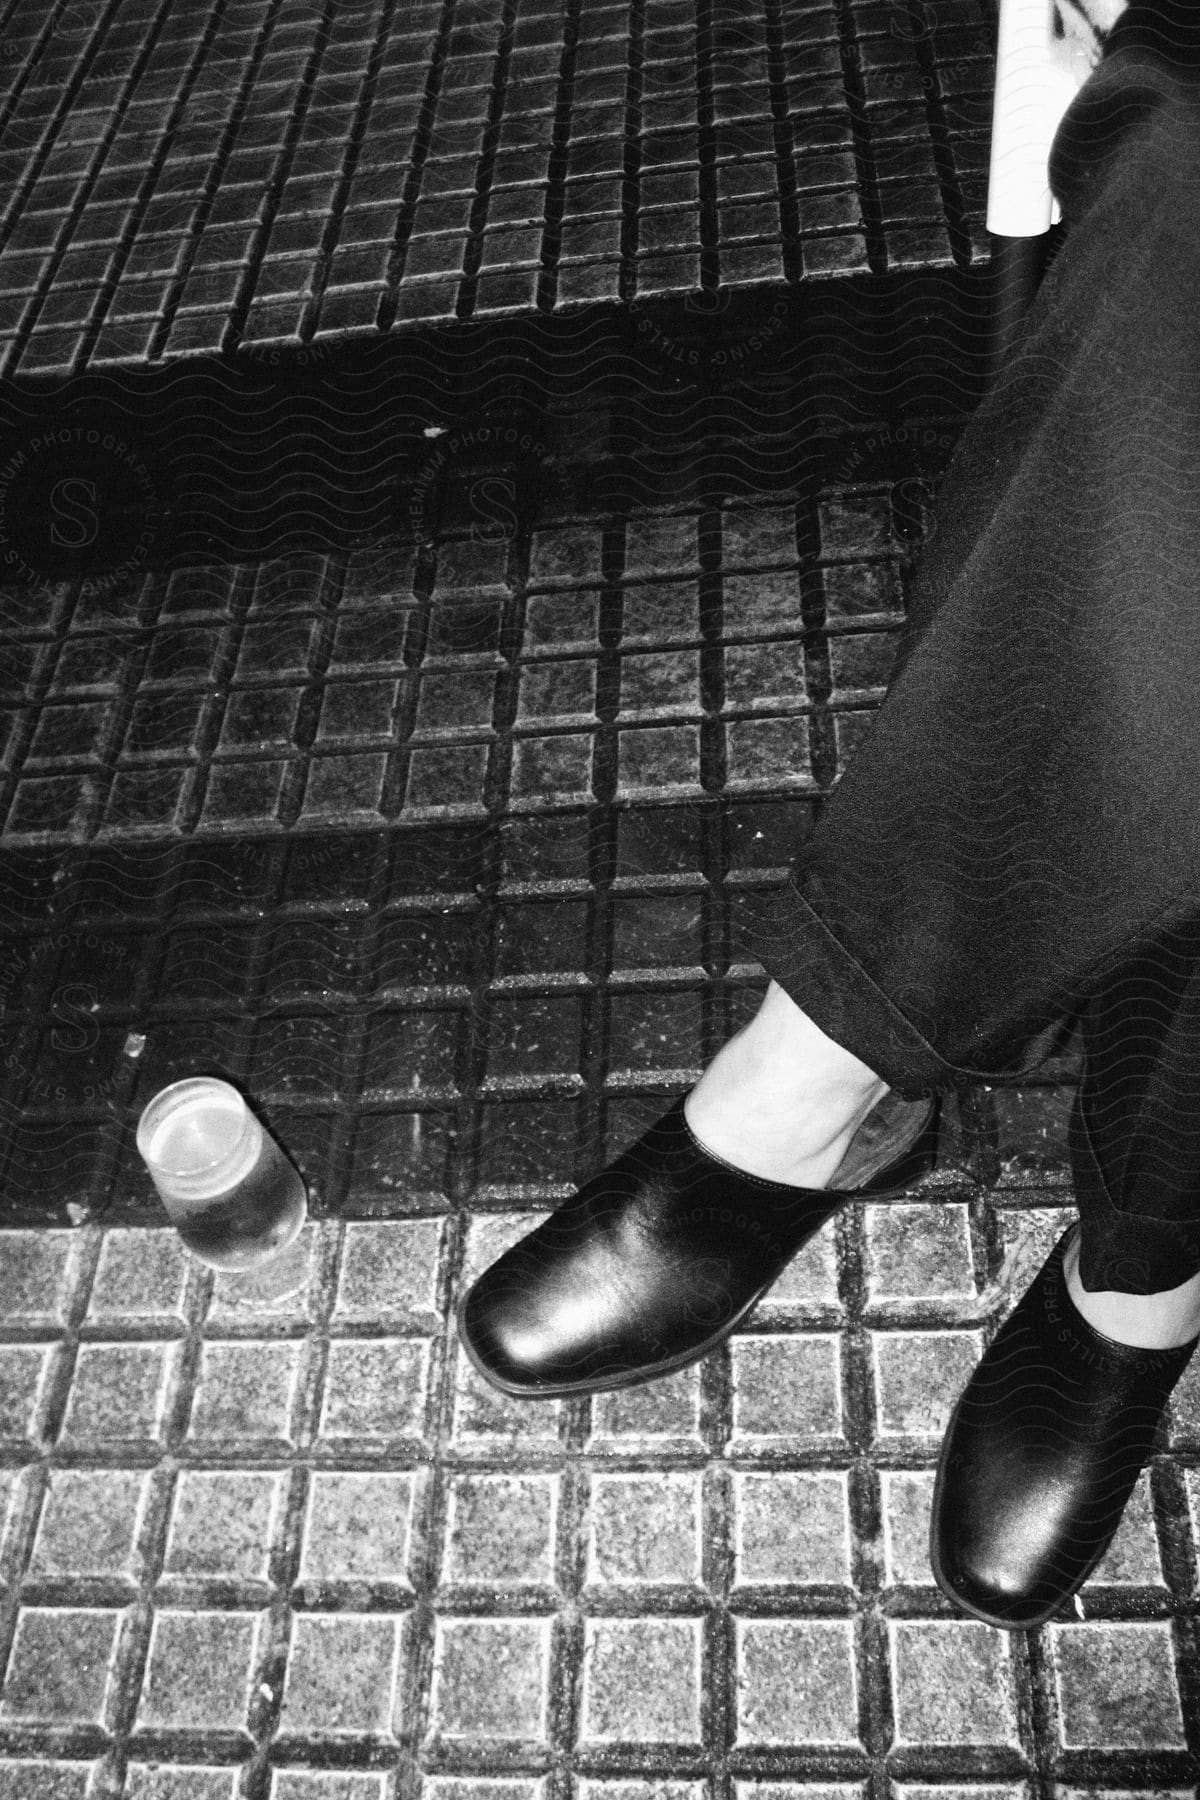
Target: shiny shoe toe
<point>1041,1456</point>
<point>656,1259</point>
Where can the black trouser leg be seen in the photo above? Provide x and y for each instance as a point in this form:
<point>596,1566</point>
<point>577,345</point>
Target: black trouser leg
<point>1136,1130</point>
<point>1023,822</point>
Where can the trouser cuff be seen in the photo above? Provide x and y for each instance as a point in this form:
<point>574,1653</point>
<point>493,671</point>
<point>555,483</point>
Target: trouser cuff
<point>1127,1252</point>
<point>815,969</point>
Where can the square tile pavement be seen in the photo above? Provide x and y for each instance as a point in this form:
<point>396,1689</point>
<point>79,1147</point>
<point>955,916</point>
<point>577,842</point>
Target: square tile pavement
<point>280,1523</point>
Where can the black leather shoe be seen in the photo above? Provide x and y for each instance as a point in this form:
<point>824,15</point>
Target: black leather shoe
<point>656,1259</point>
<point>1042,1454</point>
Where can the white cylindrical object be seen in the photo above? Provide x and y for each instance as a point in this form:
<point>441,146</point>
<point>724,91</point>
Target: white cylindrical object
<point>227,1187</point>
<point>1033,90</point>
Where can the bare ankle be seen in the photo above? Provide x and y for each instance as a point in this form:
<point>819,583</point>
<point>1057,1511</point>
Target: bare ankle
<point>781,1026</point>
<point>781,1099</point>
<point>1158,1321</point>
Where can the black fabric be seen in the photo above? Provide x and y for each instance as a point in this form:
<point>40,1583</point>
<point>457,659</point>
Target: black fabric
<point>1017,843</point>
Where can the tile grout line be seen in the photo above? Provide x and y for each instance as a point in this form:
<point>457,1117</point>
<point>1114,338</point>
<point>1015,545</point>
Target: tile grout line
<point>185,80</point>
<point>940,138</point>
<point>405,214</point>
<point>873,232</point>
<point>34,1473</point>
<point>367,94</point>
<point>472,253</point>
<point>274,1645</point>
<point>631,167</point>
<point>559,159</point>
<point>216,707</point>
<point>285,159</point>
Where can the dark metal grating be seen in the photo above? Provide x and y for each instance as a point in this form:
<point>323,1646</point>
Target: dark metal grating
<point>434,682</point>
<point>229,174</point>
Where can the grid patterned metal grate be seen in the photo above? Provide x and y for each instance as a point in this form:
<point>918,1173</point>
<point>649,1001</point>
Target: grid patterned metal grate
<point>439,848</point>
<point>419,844</point>
<point>196,175</point>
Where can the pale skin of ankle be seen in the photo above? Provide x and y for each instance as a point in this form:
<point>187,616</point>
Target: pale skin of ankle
<point>781,1099</point>
<point>1159,1321</point>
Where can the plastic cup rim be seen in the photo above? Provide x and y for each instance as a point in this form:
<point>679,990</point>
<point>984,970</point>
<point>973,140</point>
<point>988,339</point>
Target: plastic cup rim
<point>162,1103</point>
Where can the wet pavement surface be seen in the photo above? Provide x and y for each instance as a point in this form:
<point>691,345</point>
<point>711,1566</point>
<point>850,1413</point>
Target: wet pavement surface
<point>186,177</point>
<point>455,530</point>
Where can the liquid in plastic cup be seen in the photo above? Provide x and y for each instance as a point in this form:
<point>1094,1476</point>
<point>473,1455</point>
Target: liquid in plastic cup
<point>228,1189</point>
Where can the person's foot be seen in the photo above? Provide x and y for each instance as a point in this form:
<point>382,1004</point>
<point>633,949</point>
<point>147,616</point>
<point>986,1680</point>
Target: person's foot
<point>1161,1321</point>
<point>781,1100</point>
<point>1042,1453</point>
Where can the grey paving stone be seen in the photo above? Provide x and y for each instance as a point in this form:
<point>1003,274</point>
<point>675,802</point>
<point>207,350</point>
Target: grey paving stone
<point>198,1671</point>
<point>660,684</point>
<point>500,1530</point>
<point>558,622</point>
<point>786,1387</point>
<point>565,555</point>
<point>1116,1686</point>
<point>552,771</point>
<point>794,1790</point>
<point>89,1523</point>
<point>140,1275</point>
<point>450,1787</point>
<point>358,1528</point>
<point>1132,1560</point>
<point>769,754</point>
<point>323,1784</point>
<point>562,692</point>
<point>919,1376</point>
<point>666,612</point>
<point>791,1530</point>
<point>1184,1408</point>
<point>988,1790</point>
<point>919,1252</point>
<point>246,1392</point>
<point>490,1680</point>
<point>907,1505</point>
<point>1029,1235</point>
<point>341,1676</point>
<point>796,1682</point>
<point>658,759</point>
<point>639,1790</point>
<point>279,1290</point>
<point>50,1779</point>
<point>60,1666</point>
<point>764,677</point>
<point>644,1529</point>
<point>390,1268</point>
<point>641,1681</point>
<point>36,1269</point>
<point>954,1684</point>
<point>810,1279</point>
<point>1164,1792</point>
<point>653,1416</point>
<point>187,1781</point>
<point>10,1483</point>
<point>483,1415</point>
<point>375,1390</point>
<point>222,1524</point>
<point>23,1374</point>
<point>119,1393</point>
<point>758,536</point>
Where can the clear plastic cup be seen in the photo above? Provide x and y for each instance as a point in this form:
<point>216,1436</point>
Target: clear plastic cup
<point>229,1190</point>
